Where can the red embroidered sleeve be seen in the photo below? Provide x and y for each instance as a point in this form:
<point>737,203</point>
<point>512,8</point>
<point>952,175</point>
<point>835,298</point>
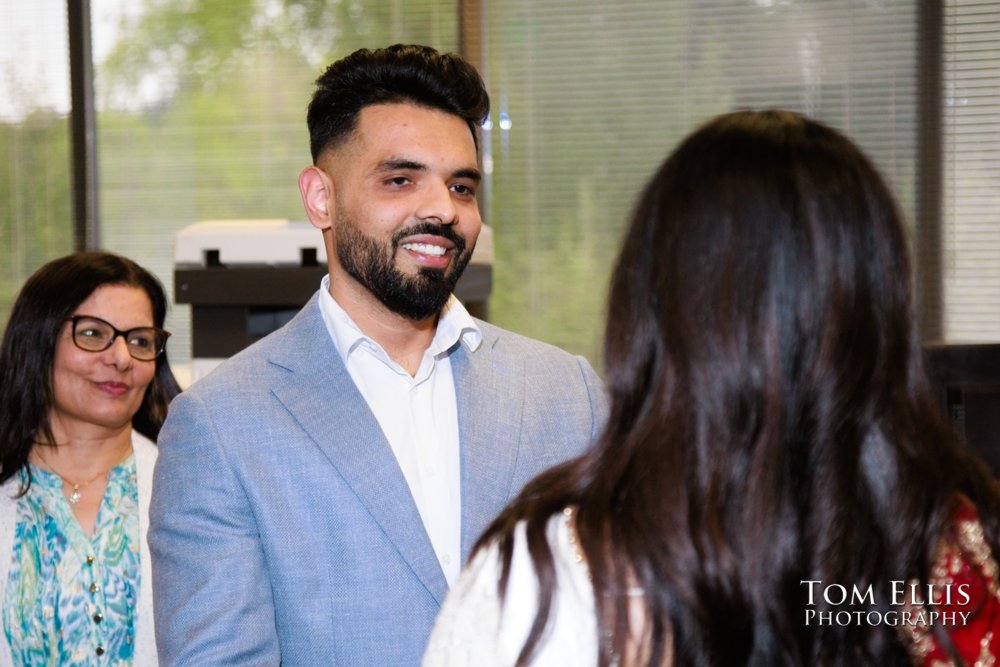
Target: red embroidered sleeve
<point>963,598</point>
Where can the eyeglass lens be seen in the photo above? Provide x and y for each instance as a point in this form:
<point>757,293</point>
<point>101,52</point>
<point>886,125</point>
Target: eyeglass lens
<point>95,335</point>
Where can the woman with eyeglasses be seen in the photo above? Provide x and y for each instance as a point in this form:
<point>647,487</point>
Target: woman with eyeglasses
<point>84,389</point>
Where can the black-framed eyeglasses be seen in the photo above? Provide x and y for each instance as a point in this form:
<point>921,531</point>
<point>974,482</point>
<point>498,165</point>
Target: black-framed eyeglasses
<point>95,335</point>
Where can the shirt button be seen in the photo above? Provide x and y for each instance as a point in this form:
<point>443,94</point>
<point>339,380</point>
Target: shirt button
<point>98,618</point>
<point>90,560</point>
<point>94,588</point>
<point>100,650</point>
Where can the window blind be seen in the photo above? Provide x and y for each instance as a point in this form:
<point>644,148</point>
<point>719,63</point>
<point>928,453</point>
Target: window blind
<point>595,94</point>
<point>971,216</point>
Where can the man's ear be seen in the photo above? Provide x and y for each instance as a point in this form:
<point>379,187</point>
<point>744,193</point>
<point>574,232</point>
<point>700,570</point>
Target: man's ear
<point>316,189</point>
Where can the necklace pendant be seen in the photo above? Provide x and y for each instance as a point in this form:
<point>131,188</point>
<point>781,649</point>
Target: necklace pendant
<point>74,497</point>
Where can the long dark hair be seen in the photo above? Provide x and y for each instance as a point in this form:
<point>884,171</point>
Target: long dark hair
<point>770,420</point>
<point>47,298</point>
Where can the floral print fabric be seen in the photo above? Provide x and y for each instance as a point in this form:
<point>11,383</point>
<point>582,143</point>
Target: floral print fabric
<point>71,599</point>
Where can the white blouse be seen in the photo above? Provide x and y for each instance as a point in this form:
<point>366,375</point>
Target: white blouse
<point>474,629</point>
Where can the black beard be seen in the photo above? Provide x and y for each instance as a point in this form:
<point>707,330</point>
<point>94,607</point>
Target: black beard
<point>373,266</point>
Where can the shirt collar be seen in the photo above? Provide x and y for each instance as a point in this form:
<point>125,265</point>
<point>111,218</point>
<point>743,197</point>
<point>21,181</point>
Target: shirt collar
<point>454,325</point>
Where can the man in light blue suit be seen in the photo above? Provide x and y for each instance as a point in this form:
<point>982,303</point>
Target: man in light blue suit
<point>316,494</point>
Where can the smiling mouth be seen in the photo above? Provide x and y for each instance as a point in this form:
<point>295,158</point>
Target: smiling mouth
<point>116,388</point>
<point>425,249</point>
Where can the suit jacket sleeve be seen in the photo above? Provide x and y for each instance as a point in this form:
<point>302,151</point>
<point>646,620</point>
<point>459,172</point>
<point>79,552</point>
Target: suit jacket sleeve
<point>213,602</point>
<point>598,398</point>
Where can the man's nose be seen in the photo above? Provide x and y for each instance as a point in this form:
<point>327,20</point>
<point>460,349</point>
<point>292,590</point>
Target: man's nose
<point>438,205</point>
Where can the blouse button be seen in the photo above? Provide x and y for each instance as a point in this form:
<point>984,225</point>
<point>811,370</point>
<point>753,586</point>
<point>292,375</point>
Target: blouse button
<point>100,650</point>
<point>98,618</point>
<point>90,560</point>
<point>94,588</point>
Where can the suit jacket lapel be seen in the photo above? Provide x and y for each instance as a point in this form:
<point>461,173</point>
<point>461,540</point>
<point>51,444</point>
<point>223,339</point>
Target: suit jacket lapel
<point>320,394</point>
<point>489,391</point>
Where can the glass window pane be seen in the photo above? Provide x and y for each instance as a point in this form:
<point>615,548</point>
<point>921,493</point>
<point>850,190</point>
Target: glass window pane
<point>595,94</point>
<point>36,219</point>
<point>201,109</point>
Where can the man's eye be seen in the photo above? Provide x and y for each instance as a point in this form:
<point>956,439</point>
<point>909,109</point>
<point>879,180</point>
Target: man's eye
<point>461,189</point>
<point>398,180</point>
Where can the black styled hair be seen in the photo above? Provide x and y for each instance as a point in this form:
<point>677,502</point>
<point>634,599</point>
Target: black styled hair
<point>402,73</point>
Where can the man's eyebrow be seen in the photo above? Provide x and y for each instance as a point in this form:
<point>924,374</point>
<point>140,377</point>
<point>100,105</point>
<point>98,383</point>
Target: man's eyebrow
<point>403,164</point>
<point>400,164</point>
<point>471,174</point>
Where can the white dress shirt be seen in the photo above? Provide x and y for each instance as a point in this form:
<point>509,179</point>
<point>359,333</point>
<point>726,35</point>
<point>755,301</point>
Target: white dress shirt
<point>418,415</point>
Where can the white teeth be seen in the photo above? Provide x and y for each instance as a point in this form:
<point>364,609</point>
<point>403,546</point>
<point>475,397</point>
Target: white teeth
<point>425,249</point>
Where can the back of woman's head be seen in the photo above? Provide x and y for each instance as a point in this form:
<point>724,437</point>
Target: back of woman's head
<point>769,422</point>
<point>765,271</point>
<point>44,303</point>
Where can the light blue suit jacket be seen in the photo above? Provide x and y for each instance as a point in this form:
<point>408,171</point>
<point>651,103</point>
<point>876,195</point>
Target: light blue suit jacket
<point>281,527</point>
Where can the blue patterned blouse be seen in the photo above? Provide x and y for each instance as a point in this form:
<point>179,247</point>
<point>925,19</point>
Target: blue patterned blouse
<point>70,599</point>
